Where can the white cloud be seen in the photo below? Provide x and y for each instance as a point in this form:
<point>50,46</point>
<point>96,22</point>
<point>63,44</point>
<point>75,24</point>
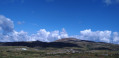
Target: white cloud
<point>115,37</point>
<point>63,34</point>
<point>99,36</point>
<point>19,36</point>
<point>102,36</point>
<point>14,36</point>
<point>6,25</point>
<point>8,34</point>
<point>44,35</point>
<point>41,35</point>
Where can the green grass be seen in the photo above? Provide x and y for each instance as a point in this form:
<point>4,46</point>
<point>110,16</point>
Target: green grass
<point>14,52</point>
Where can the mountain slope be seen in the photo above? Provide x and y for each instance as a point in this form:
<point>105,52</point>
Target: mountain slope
<point>90,45</point>
<point>62,48</point>
<point>66,42</point>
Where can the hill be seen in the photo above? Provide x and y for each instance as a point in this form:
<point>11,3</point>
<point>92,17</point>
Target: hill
<point>62,48</point>
<point>66,42</point>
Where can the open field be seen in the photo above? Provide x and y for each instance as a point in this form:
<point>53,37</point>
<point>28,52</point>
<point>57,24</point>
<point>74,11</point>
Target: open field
<point>26,52</point>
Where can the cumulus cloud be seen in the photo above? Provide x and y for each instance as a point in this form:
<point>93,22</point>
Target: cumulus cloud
<point>115,37</point>
<point>102,36</point>
<point>6,25</point>
<point>14,36</point>
<point>19,36</point>
<point>99,36</point>
<point>8,34</point>
<point>44,35</point>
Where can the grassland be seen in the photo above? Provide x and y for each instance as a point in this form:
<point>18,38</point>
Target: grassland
<point>67,52</point>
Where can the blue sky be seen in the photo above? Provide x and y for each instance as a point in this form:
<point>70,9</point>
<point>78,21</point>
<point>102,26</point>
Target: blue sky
<point>73,15</point>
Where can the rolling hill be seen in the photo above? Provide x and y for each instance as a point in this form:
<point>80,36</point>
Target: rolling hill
<point>65,48</point>
<point>66,42</point>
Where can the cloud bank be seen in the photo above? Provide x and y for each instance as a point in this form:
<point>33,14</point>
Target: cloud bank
<point>8,34</point>
<point>99,36</point>
<point>44,35</point>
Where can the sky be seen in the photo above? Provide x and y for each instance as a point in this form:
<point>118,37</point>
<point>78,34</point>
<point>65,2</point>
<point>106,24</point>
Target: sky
<point>49,20</point>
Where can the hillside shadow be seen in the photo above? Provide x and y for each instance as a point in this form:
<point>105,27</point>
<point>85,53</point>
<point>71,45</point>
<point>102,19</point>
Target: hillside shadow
<point>40,44</point>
